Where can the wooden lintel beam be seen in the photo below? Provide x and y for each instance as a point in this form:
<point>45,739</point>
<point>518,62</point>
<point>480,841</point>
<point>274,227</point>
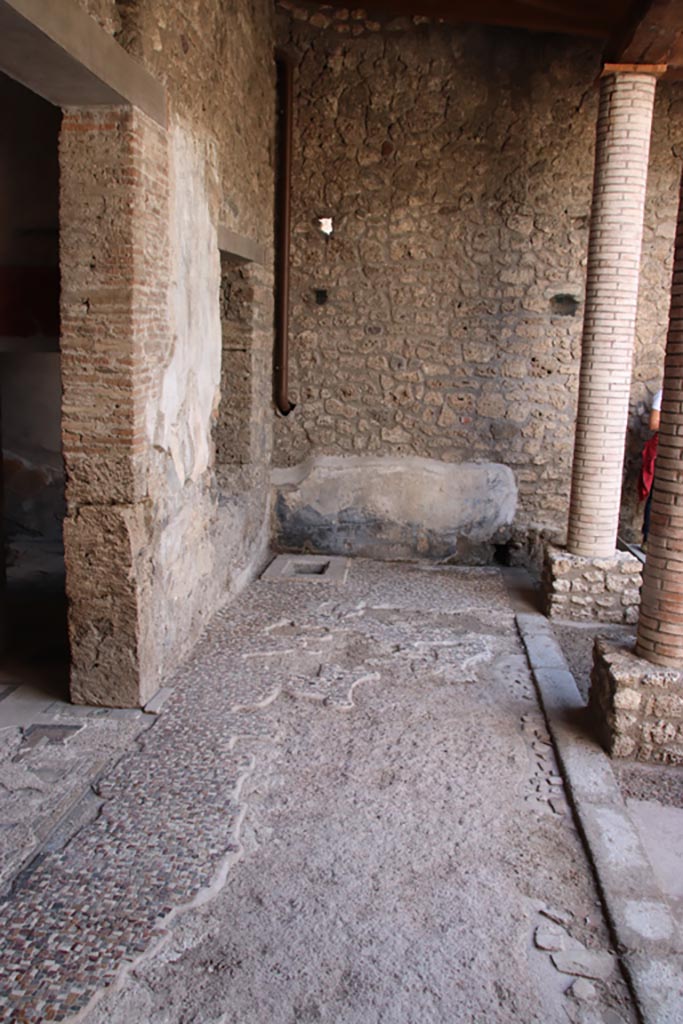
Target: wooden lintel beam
<point>658,70</point>
<point>652,33</point>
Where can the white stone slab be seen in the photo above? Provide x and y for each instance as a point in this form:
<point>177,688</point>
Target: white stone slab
<point>661,833</point>
<point>307,569</point>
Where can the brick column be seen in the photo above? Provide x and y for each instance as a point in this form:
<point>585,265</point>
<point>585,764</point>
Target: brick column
<point>621,162</point>
<point>660,626</point>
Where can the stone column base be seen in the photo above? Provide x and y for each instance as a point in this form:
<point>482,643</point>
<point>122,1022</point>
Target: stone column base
<point>637,706</point>
<point>605,589</point>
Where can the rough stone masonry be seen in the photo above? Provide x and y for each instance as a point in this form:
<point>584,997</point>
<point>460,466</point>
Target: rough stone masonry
<point>456,165</point>
<point>638,707</point>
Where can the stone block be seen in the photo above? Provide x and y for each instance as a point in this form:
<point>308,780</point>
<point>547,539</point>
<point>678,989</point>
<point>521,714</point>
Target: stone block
<point>637,708</point>
<point>103,548</point>
<point>623,746</point>
<point>601,588</point>
<point>627,700</point>
<point>667,706</point>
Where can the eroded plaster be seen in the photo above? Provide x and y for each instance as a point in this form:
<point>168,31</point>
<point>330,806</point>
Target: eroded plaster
<point>189,391</point>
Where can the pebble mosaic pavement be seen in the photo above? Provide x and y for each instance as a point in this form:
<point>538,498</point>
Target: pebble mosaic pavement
<point>169,825</point>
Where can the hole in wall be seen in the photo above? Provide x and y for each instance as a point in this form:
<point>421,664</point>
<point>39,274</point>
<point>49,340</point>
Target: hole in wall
<point>564,304</point>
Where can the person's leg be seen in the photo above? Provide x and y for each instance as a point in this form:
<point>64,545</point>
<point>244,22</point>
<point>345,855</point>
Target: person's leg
<point>646,515</point>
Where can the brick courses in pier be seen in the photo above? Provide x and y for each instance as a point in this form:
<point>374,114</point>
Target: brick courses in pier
<point>163,519</point>
<point>115,331</point>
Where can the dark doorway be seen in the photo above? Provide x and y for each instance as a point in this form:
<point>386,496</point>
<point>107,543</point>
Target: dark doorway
<point>34,633</point>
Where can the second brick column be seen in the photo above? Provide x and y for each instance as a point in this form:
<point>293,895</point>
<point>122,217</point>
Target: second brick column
<point>660,627</point>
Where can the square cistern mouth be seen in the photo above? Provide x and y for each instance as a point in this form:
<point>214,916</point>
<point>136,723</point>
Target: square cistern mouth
<point>307,567</point>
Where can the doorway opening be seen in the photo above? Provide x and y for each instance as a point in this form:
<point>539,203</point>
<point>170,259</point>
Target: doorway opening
<point>33,623</point>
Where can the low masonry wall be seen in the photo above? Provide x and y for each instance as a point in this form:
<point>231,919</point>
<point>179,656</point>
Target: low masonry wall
<point>637,706</point>
<point>604,589</point>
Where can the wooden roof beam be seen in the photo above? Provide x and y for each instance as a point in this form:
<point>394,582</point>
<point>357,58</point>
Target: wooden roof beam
<point>581,17</point>
<point>651,34</point>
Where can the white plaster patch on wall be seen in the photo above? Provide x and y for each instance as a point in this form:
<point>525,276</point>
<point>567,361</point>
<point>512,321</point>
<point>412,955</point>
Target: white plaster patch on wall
<point>181,424</point>
<point>435,495</point>
<point>184,547</point>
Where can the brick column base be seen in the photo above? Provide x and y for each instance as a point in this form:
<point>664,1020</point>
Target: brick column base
<point>636,707</point>
<point>581,588</point>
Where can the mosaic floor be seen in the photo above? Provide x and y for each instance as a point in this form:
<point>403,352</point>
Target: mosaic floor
<point>169,830</point>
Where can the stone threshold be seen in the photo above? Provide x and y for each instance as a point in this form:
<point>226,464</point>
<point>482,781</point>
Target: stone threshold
<point>646,933</point>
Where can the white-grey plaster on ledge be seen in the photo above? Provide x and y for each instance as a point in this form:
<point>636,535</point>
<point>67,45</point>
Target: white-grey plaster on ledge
<point>395,507</point>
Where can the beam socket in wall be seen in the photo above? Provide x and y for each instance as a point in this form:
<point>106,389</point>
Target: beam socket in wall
<point>564,305</point>
<point>320,296</point>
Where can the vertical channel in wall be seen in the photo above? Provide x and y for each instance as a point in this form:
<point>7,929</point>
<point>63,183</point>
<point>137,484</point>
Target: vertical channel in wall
<point>242,430</point>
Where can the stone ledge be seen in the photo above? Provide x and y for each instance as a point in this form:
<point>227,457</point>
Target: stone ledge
<point>394,507</point>
<point>637,706</point>
<point>580,588</point>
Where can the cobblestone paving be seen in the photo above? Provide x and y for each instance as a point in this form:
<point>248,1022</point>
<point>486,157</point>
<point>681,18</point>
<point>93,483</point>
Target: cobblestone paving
<point>170,822</point>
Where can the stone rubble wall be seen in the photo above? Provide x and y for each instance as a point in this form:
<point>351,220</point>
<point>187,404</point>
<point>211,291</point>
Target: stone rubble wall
<point>590,589</point>
<point>637,706</point>
<point>157,536</point>
<point>456,164</point>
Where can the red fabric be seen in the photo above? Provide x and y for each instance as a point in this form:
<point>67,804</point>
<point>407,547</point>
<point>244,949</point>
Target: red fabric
<point>647,469</point>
